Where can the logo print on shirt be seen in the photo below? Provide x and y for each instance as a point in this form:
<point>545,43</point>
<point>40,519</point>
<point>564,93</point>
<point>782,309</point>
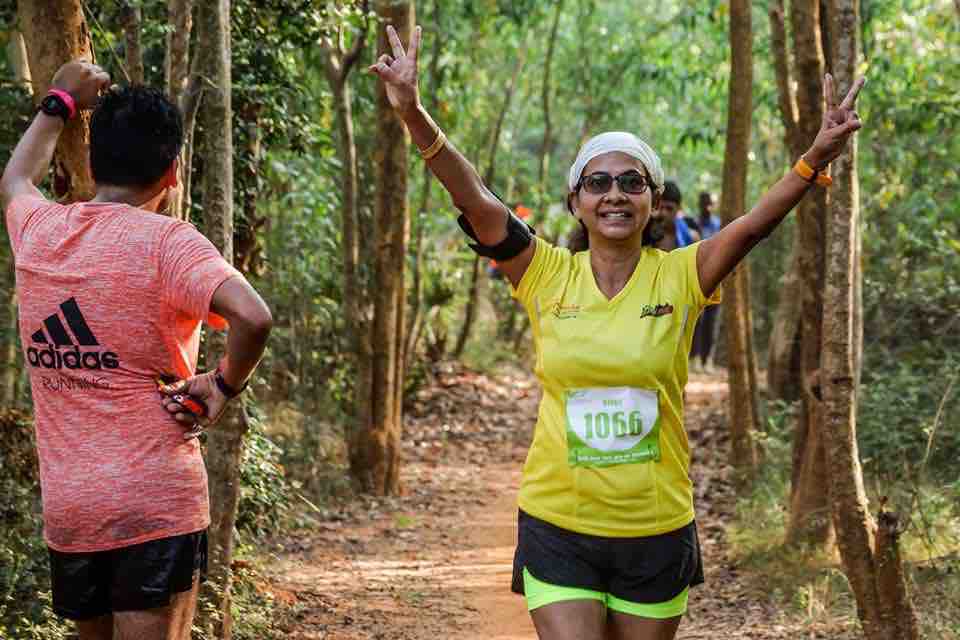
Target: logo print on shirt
<point>51,356</point>
<point>656,310</point>
<point>565,312</point>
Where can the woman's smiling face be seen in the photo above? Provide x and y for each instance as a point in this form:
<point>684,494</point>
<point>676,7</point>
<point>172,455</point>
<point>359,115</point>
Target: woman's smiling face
<point>615,215</point>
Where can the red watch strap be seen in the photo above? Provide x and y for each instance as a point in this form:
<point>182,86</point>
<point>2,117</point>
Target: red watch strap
<point>67,100</point>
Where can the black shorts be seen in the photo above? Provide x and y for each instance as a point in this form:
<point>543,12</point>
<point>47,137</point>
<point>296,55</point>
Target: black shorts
<point>134,578</point>
<point>648,570</point>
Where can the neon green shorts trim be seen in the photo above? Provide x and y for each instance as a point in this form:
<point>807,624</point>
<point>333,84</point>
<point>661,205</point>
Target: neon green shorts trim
<point>540,594</point>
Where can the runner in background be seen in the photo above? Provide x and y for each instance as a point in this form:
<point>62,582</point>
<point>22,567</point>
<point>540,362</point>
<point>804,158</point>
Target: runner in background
<point>705,333</point>
<point>607,543</point>
<point>678,230</point>
<point>111,299</point>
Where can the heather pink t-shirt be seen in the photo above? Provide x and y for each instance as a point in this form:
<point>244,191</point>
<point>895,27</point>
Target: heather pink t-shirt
<point>111,297</point>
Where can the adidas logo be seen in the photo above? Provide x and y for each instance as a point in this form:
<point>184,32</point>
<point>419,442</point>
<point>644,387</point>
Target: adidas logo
<point>51,357</point>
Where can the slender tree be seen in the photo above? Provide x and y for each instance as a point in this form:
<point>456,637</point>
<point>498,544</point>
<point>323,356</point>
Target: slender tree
<point>130,19</point>
<point>871,558</point>
<point>733,203</point>
<point>473,294</point>
<point>339,61</point>
<point>176,72</point>
<point>17,57</point>
<point>55,32</point>
<point>809,520</point>
<point>545,96</point>
<point>225,443</point>
<point>435,79</point>
<point>783,368</point>
<point>375,443</point>
<point>176,63</point>
<point>9,369</point>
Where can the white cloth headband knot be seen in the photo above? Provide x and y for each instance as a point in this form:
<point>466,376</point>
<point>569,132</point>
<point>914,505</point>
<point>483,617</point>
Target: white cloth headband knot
<point>618,141</point>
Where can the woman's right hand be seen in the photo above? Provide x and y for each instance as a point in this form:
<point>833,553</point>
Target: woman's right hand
<point>399,72</point>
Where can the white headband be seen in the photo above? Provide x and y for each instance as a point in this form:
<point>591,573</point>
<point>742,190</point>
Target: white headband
<point>618,141</point>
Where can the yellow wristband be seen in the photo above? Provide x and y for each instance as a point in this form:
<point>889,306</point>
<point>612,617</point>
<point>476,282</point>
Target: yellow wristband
<point>805,171</point>
<point>434,148</point>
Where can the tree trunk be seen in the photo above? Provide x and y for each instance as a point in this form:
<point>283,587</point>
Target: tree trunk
<point>353,289</point>
<point>470,310</point>
<point>488,178</point>
<point>225,443</point>
<point>9,365</point>
<point>17,55</point>
<point>176,72</point>
<point>733,203</point>
<point>897,611</point>
<point>808,522</point>
<point>55,32</point>
<point>435,78</point>
<point>871,558</point>
<point>783,364</point>
<point>375,446</point>
<point>545,147</point>
<point>130,20</point>
<point>247,249</point>
<point>176,64</point>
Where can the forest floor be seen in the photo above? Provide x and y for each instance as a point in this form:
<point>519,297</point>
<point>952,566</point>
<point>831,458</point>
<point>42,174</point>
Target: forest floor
<point>435,562</point>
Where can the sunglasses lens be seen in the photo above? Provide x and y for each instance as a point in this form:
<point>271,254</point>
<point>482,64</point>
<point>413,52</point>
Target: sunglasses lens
<point>598,182</point>
<point>632,182</point>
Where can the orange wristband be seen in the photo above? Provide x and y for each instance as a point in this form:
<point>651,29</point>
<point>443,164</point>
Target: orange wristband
<point>811,175</point>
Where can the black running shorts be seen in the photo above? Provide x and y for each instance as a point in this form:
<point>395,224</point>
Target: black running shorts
<point>134,578</point>
<point>647,570</point>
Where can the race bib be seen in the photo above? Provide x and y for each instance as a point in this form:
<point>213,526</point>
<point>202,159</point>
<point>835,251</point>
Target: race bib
<point>612,425</point>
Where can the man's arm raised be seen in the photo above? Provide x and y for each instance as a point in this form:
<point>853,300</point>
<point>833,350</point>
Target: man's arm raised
<point>31,158</point>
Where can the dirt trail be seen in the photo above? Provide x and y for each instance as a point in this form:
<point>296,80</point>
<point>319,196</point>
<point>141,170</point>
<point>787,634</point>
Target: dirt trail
<point>435,563</point>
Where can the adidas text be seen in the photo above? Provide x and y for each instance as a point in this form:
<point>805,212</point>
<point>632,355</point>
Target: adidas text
<point>51,358</point>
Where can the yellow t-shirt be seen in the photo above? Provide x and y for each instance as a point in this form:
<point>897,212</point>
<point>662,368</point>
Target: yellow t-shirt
<point>610,453</point>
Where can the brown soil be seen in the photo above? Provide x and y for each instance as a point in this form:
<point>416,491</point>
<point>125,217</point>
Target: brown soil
<point>435,562</point>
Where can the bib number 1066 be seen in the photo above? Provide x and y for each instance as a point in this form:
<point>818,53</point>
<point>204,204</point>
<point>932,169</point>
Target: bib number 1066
<point>619,423</point>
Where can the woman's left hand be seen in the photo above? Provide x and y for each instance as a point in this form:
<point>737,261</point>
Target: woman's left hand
<point>839,123</point>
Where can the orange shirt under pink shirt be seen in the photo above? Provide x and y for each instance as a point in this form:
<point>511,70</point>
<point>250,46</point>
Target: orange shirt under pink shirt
<point>111,297</point>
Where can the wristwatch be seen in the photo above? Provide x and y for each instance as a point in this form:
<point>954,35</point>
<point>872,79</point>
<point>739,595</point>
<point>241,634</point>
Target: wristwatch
<point>225,388</point>
<point>58,103</point>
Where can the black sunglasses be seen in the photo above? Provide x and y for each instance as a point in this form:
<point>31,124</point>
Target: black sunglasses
<point>601,182</point>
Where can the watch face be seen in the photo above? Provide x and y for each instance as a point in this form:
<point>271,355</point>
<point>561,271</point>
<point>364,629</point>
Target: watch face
<point>54,106</point>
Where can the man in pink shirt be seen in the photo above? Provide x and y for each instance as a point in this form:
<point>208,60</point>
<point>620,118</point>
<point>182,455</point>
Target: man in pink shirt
<point>112,296</point>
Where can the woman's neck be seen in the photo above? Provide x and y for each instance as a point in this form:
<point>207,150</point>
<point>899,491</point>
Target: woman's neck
<point>613,264</point>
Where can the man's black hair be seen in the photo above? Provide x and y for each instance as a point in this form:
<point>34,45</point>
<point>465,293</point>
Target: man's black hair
<point>135,134</point>
<point>671,192</point>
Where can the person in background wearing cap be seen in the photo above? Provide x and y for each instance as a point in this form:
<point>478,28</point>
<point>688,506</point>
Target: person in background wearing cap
<point>607,544</point>
<point>111,299</point>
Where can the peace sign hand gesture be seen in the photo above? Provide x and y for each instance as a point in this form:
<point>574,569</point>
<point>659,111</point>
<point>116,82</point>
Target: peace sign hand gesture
<point>839,123</point>
<point>399,72</point>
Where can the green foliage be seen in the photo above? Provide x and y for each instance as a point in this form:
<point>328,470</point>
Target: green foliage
<point>25,608</point>
<point>264,491</point>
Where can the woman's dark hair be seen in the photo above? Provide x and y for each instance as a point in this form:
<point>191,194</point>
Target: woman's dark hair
<point>135,135</point>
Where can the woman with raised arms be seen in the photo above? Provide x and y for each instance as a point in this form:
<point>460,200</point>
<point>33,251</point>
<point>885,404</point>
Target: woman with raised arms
<point>607,544</point>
